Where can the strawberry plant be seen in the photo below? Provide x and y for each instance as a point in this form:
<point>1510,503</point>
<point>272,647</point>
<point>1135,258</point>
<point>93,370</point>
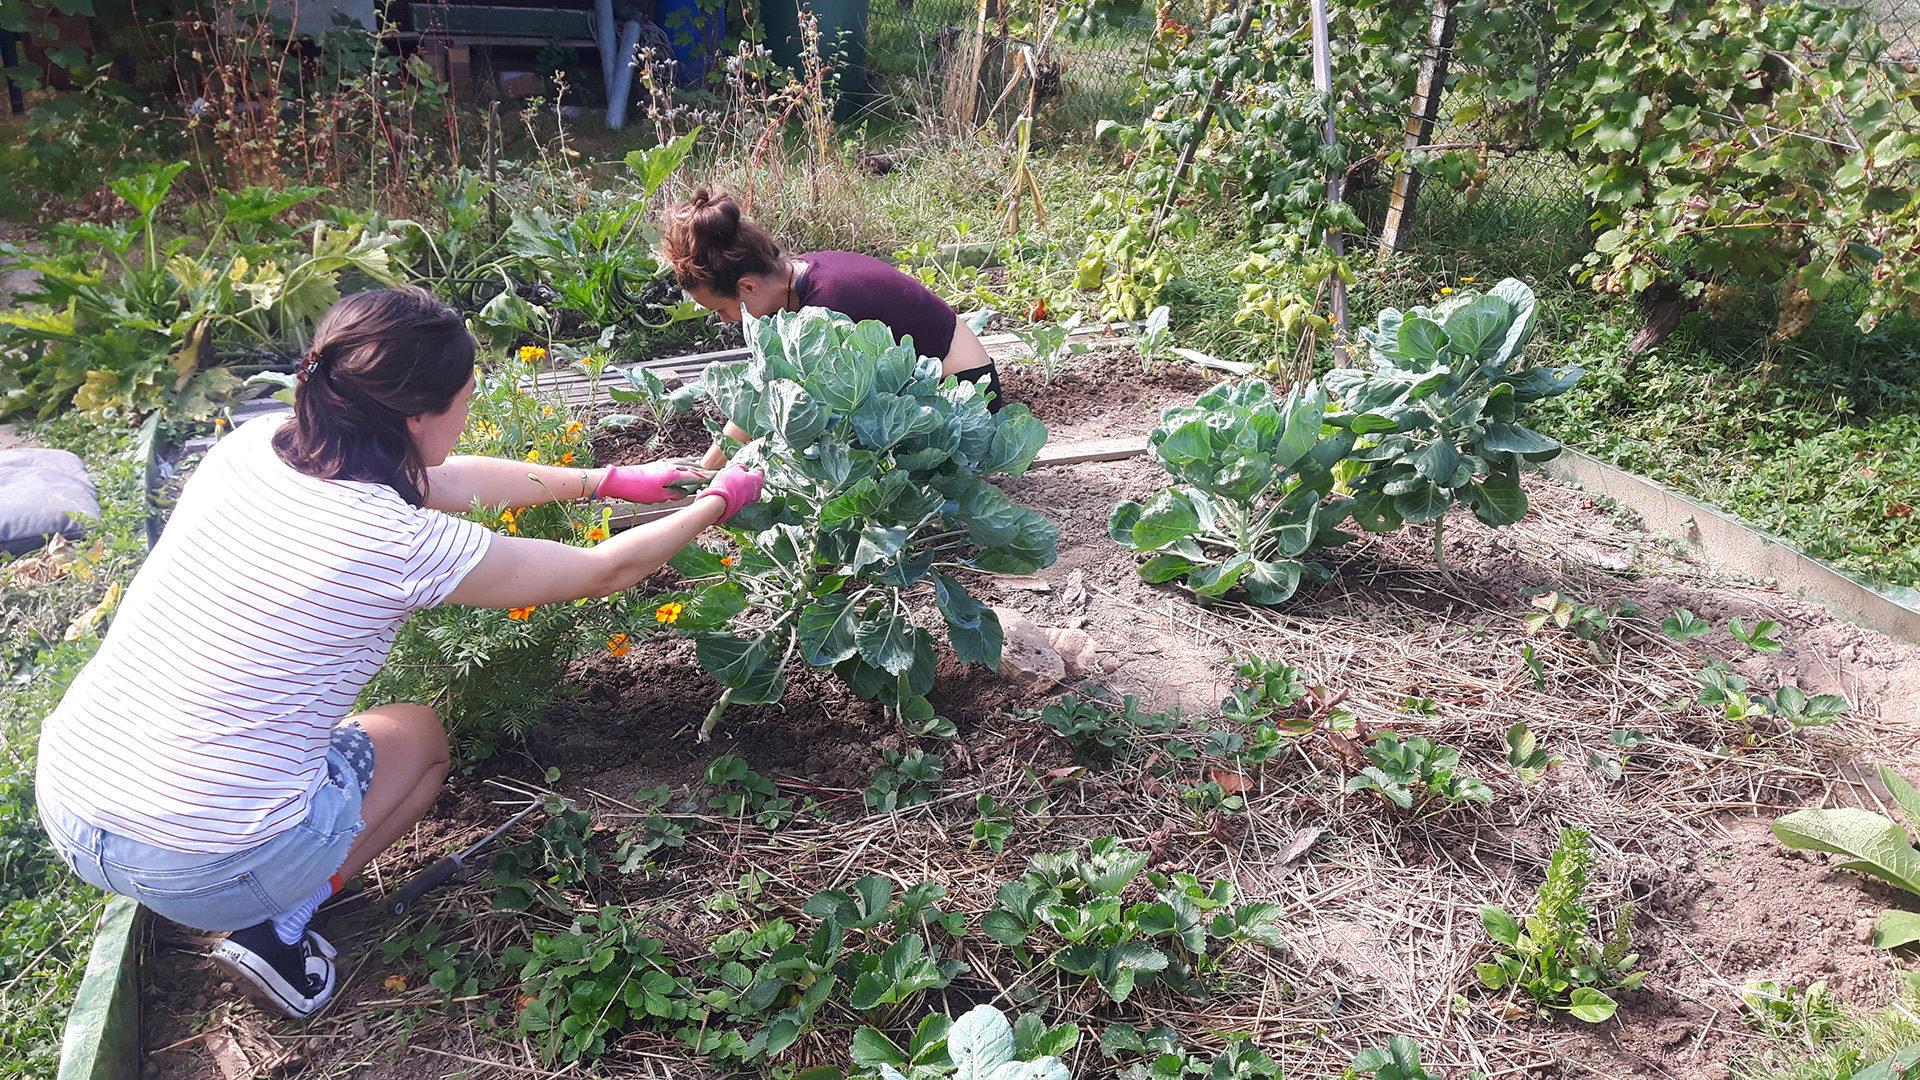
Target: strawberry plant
<point>1417,774</point>
<point>1438,410</point>
<point>981,1045</point>
<point>877,473</point>
<point>1065,913</point>
<point>1250,471</point>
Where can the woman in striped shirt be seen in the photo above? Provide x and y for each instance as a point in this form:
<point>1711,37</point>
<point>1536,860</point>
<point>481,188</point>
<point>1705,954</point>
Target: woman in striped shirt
<point>207,761</point>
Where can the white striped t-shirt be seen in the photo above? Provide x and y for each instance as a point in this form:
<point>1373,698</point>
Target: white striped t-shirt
<point>269,602</point>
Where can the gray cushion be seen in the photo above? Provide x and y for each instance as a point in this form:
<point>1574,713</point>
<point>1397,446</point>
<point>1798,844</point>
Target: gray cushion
<point>43,492</point>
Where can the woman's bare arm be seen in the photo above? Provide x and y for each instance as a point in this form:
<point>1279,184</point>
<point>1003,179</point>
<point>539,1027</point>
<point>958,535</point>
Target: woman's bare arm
<point>460,481</point>
<point>519,571</point>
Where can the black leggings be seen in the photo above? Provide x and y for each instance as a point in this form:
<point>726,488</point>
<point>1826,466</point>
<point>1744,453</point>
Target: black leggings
<point>987,378</point>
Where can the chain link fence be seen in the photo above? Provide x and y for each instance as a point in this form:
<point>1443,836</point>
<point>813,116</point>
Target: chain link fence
<point>1533,198</point>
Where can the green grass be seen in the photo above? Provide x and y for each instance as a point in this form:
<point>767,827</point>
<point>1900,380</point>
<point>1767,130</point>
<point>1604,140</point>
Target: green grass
<point>1812,440</point>
<point>1853,1042</point>
<point>46,914</point>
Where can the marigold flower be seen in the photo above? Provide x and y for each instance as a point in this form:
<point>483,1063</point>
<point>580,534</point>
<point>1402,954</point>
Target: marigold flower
<point>576,427</point>
<point>520,613</point>
<point>532,354</point>
<point>618,645</point>
<point>507,516</point>
<point>533,456</point>
<point>726,560</point>
<point>669,612</point>
<point>1444,290</point>
<point>1468,280</point>
<point>596,534</point>
<point>566,458</point>
<point>546,410</point>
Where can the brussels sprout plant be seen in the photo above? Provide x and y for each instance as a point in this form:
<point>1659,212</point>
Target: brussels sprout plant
<point>1437,411</point>
<point>1250,474</point>
<point>877,472</point>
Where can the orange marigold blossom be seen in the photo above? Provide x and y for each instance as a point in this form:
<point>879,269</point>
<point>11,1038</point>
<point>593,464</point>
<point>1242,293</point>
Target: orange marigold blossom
<point>726,560</point>
<point>566,458</point>
<point>520,613</point>
<point>596,534</point>
<point>576,427</point>
<point>532,353</point>
<point>669,612</point>
<point>618,645</point>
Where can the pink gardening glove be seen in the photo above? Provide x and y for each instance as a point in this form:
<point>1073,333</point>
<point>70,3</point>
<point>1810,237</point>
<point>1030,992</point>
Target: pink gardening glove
<point>652,482</point>
<point>739,487</point>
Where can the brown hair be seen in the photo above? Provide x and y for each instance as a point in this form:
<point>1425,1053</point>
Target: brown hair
<point>710,245</point>
<point>377,358</point>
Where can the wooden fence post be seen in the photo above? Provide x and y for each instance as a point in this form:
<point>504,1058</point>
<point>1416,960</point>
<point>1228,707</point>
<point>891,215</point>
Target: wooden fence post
<point>1426,112</point>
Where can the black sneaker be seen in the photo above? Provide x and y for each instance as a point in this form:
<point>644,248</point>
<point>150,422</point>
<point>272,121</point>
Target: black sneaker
<point>296,979</point>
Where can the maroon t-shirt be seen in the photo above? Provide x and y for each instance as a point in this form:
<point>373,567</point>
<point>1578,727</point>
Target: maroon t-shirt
<point>862,287</point>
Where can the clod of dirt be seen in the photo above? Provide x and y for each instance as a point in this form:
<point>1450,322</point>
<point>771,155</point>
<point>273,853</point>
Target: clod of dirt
<point>1027,656</point>
<point>1076,650</point>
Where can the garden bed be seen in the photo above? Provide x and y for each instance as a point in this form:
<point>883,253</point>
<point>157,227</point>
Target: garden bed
<point>1379,911</point>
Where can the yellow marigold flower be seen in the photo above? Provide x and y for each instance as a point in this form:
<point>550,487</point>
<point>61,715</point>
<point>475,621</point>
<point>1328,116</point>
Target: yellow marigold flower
<point>507,516</point>
<point>596,534</point>
<point>566,458</point>
<point>546,410</point>
<point>530,354</point>
<point>514,529</point>
<point>520,613</point>
<point>618,645</point>
<point>1444,290</point>
<point>667,613</point>
<point>534,455</point>
<point>1468,280</point>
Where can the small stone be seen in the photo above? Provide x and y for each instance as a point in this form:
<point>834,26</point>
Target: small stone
<point>1027,658</point>
<point>1863,931</point>
<point>359,1030</point>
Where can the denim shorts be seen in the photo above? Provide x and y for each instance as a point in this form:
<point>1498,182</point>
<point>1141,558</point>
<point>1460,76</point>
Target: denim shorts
<point>229,890</point>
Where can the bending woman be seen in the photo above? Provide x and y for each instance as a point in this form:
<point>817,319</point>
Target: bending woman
<point>205,762</point>
<point>731,266</point>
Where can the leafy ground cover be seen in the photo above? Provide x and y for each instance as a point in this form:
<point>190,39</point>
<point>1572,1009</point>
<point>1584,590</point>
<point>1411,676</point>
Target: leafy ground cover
<point>1025,848</point>
<point>53,607</point>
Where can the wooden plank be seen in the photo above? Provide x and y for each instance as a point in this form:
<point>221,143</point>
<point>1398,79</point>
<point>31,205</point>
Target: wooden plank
<point>577,389</point>
<point>628,515</point>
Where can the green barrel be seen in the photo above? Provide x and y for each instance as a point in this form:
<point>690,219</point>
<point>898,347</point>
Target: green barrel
<point>843,37</point>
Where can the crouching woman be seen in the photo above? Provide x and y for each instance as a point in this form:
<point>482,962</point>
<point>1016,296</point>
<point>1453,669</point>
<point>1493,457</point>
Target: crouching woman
<point>207,762</point>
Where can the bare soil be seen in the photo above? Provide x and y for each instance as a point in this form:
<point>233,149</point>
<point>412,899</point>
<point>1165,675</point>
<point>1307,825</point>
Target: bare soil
<point>1381,915</point>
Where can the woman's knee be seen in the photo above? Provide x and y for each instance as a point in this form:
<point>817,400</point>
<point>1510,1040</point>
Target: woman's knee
<point>407,730</point>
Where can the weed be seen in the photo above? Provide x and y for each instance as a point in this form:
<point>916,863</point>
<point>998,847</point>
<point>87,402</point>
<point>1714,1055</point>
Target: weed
<point>1530,763</point>
<point>1805,1015</point>
<point>1555,959</point>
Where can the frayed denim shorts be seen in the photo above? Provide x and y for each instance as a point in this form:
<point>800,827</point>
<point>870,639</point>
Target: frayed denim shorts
<point>228,890</point>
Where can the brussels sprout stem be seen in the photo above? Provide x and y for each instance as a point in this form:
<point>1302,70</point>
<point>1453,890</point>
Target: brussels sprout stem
<point>713,715</point>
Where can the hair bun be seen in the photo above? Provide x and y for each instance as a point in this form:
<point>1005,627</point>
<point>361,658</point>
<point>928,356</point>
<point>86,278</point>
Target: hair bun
<point>715,215</point>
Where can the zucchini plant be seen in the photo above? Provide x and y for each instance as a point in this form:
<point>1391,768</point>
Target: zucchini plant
<point>1437,411</point>
<point>1873,844</point>
<point>877,472</point>
<point>1251,472</point>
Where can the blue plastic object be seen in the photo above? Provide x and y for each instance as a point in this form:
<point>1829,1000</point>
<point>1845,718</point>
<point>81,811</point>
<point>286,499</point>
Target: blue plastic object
<point>696,32</point>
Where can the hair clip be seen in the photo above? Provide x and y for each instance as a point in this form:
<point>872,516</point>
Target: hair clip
<point>309,364</point>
